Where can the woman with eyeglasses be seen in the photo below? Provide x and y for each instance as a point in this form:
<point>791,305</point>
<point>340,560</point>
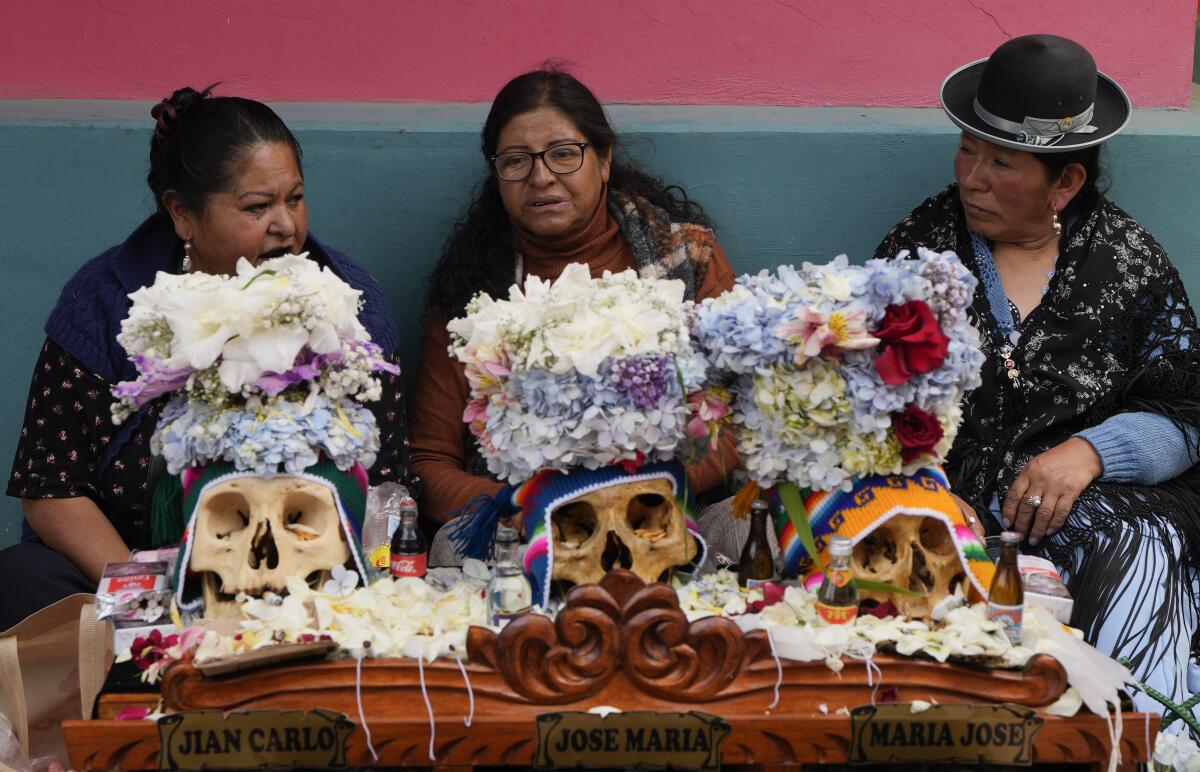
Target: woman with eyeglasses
<point>554,194</point>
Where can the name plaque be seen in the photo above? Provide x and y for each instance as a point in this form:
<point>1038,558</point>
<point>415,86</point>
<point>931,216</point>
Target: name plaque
<point>993,734</point>
<point>212,739</point>
<point>646,739</point>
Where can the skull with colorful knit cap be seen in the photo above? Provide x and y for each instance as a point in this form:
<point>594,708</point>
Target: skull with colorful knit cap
<point>587,397</point>
<point>265,434</point>
<point>846,383</point>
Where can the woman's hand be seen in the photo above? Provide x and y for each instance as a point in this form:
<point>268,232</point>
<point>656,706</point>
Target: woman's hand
<point>968,513</point>
<point>1041,497</point>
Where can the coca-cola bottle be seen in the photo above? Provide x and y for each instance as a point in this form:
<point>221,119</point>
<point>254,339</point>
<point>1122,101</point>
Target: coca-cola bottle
<point>409,553</point>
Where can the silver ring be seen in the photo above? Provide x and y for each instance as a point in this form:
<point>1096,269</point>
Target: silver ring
<point>1034,502</point>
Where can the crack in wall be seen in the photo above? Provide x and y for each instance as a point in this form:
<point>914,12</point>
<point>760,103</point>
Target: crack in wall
<point>991,16</point>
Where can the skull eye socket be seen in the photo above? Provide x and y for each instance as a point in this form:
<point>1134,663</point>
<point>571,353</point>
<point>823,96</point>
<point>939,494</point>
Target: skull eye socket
<point>305,517</point>
<point>876,551</point>
<point>228,513</point>
<point>649,515</point>
<point>573,523</point>
<point>935,537</point>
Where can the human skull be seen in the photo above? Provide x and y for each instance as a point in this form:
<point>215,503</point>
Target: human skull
<point>635,525</point>
<point>914,552</point>
<point>252,533</point>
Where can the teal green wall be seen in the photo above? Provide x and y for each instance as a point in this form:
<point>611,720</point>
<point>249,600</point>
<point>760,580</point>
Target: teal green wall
<point>386,182</point>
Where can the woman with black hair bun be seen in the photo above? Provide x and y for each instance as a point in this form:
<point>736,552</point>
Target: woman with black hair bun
<point>554,193</point>
<point>228,183</point>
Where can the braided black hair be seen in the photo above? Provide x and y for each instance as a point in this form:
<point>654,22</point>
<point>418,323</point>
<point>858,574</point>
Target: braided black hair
<point>1095,185</point>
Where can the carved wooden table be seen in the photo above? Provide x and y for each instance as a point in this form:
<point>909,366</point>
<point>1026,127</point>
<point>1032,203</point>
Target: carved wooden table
<point>621,644</point>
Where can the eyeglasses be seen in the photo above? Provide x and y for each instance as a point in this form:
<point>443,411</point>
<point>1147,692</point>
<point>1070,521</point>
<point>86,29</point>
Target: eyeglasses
<point>566,158</point>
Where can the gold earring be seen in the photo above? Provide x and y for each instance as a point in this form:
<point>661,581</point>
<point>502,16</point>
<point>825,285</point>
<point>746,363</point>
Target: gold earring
<point>187,257</point>
<point>1054,223</point>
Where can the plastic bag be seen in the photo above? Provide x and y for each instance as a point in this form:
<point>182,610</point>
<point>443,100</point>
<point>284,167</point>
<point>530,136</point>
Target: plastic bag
<point>11,756</point>
<point>380,521</point>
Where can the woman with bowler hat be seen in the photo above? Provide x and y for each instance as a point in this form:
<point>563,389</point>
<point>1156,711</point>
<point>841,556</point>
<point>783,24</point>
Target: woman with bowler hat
<point>1083,435</point>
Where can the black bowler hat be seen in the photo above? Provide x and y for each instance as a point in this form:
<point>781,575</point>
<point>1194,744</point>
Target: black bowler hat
<point>1039,93</point>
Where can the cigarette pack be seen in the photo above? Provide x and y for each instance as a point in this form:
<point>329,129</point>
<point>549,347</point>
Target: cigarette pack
<point>133,591</point>
<point>1044,587</point>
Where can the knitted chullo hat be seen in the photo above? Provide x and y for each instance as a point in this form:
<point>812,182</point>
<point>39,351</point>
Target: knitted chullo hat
<point>869,504</point>
<point>540,495</point>
<point>349,491</point>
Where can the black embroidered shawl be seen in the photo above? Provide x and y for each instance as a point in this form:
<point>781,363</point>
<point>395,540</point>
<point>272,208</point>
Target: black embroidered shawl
<point>1115,332</point>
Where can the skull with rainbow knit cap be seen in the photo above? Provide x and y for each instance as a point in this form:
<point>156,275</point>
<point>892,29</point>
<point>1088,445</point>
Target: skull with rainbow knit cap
<point>587,396</point>
<point>847,382</point>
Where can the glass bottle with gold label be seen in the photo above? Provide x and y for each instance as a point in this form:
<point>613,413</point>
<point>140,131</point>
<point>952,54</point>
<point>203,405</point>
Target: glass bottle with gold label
<point>837,600</point>
<point>756,566</point>
<point>1006,596</point>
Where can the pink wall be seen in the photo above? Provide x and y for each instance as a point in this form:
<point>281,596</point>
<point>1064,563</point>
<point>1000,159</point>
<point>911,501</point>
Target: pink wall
<point>785,52</point>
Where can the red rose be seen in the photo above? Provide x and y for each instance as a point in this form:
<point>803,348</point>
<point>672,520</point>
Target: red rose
<point>911,342</point>
<point>917,430</point>
<point>772,594</point>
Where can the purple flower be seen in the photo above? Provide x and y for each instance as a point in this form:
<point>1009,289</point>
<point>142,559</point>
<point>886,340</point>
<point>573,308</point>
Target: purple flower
<point>643,379</point>
<point>154,379</point>
<point>307,367</point>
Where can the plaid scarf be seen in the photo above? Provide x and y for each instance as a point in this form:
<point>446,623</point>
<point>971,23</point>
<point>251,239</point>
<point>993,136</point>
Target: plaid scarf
<point>663,249</point>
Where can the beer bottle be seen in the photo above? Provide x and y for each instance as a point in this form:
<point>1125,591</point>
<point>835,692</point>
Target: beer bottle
<point>408,545</point>
<point>508,592</point>
<point>837,599</point>
<point>756,564</point>
<point>1006,596</point>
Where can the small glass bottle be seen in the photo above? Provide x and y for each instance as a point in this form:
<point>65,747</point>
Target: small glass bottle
<point>409,555</point>
<point>508,592</point>
<point>1006,596</point>
<point>837,600</point>
<point>756,565</point>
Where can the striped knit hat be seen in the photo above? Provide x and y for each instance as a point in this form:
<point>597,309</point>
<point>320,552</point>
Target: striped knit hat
<point>474,531</point>
<point>869,504</point>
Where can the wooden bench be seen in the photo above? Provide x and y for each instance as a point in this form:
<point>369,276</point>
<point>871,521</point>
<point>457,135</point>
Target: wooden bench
<point>625,645</point>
